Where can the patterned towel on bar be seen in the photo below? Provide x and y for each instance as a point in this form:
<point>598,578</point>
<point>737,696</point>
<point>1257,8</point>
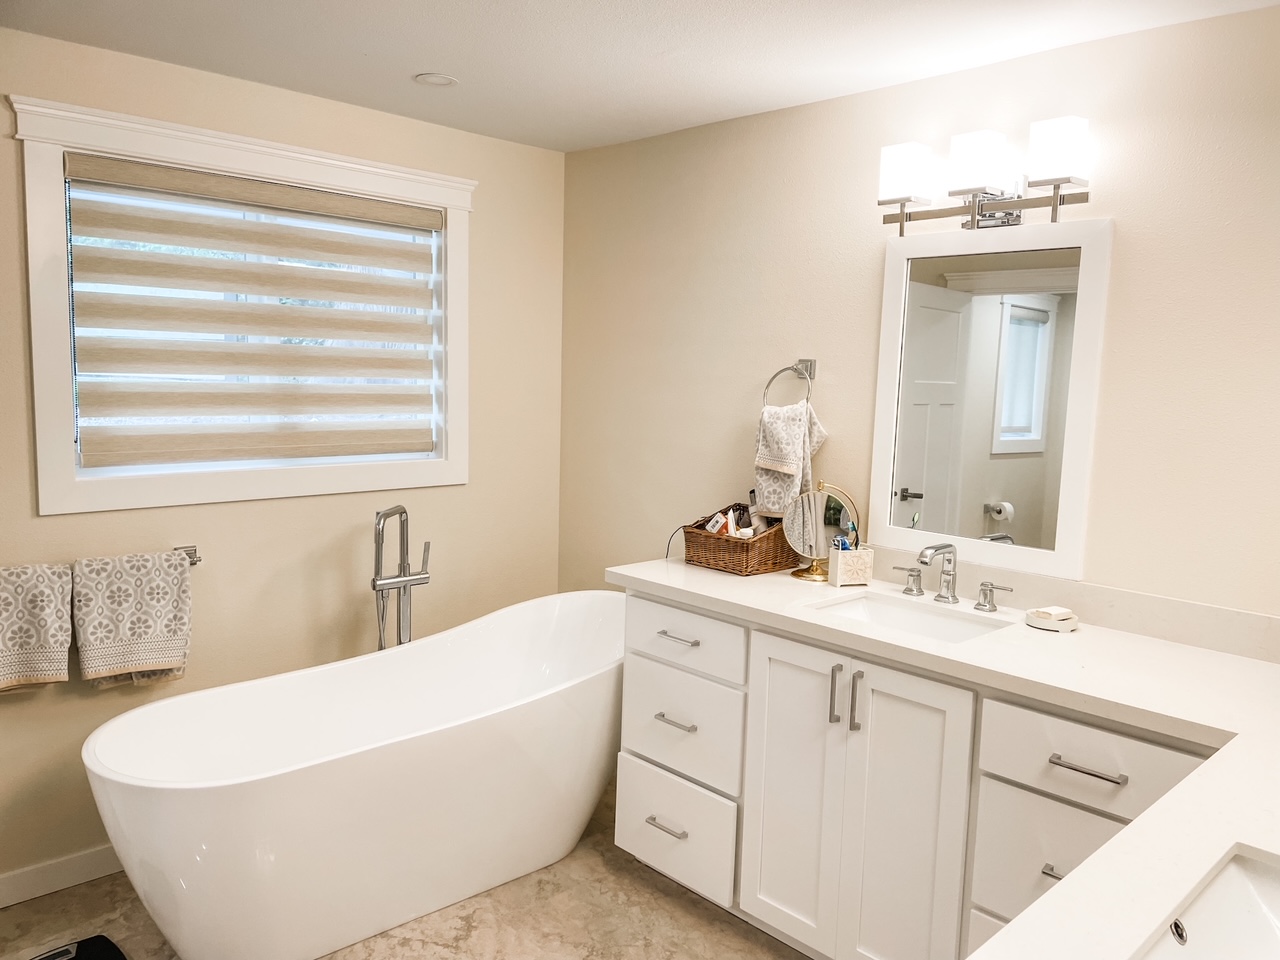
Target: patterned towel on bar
<point>786,441</point>
<point>132,616</point>
<point>35,624</point>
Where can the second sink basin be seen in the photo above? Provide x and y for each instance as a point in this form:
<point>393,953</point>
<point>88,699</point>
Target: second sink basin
<point>936,622</point>
<point>1233,918</point>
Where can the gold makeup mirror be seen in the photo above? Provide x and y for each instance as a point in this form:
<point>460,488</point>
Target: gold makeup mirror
<point>809,523</point>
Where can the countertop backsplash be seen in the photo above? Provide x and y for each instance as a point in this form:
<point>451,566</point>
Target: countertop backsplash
<point>1241,632</point>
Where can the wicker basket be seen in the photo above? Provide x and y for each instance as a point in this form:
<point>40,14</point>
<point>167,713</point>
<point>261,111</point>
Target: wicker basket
<point>766,552</point>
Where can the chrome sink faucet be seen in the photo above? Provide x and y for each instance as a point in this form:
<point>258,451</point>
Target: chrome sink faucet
<point>403,580</point>
<point>947,581</point>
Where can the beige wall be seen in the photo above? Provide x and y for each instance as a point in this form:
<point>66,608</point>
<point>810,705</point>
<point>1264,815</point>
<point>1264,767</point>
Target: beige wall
<point>699,262</point>
<point>285,583</point>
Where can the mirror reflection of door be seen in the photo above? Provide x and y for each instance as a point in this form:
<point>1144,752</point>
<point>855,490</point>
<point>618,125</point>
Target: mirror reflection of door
<point>930,407</point>
<point>986,355</point>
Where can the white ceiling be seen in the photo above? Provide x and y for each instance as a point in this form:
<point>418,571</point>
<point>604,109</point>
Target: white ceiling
<point>570,74</point>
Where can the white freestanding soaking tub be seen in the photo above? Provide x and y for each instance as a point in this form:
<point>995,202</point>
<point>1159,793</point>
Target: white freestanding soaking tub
<point>283,818</point>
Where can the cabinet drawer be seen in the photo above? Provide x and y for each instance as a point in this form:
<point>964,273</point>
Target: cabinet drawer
<point>712,751</point>
<point>981,929</point>
<point>689,639</point>
<point>696,848</point>
<point>1019,835</point>
<point>1017,744</point>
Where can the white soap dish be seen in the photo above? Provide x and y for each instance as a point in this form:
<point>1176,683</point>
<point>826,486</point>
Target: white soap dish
<point>1065,625</point>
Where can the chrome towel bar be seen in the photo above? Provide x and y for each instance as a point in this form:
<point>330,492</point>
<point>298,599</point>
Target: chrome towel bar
<point>193,554</point>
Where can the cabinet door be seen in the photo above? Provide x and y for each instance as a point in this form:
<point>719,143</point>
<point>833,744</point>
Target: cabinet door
<point>793,796</point>
<point>906,809</point>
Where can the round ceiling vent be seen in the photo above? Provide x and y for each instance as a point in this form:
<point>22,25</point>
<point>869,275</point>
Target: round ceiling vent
<point>435,80</point>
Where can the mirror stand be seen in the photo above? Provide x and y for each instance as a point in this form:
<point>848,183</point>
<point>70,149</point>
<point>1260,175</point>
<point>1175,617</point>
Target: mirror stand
<point>816,570</point>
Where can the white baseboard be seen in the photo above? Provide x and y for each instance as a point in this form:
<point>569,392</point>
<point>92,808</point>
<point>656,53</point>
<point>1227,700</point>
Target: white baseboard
<point>42,878</point>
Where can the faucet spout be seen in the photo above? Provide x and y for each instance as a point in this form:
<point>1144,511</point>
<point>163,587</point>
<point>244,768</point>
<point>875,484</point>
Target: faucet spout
<point>947,580</point>
<point>928,553</point>
<point>401,581</point>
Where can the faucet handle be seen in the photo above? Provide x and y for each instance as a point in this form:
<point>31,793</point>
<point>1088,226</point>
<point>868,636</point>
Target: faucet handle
<point>913,588</point>
<point>987,596</point>
<point>426,553</point>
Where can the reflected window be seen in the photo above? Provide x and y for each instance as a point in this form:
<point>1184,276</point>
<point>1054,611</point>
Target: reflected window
<point>1022,379</point>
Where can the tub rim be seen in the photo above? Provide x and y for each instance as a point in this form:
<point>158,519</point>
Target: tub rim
<point>94,765</point>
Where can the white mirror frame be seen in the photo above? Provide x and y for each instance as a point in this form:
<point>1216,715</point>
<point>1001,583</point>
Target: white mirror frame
<point>1093,237</point>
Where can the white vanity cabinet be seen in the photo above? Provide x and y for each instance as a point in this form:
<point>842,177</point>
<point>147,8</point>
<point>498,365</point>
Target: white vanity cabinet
<point>827,799</point>
<point>1052,792</point>
<point>855,804</point>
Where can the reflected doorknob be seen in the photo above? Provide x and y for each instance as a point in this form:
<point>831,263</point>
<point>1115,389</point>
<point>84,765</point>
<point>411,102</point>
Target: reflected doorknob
<point>905,494</point>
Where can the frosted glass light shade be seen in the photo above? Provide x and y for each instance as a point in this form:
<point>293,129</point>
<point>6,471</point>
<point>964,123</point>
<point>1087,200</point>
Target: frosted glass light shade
<point>1060,147</point>
<point>909,170</point>
<point>982,158</point>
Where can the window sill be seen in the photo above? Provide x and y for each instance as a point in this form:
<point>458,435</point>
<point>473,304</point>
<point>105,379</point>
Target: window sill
<point>89,491</point>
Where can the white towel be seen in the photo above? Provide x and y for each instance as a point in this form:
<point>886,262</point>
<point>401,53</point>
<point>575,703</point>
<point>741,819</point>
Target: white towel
<point>786,441</point>
<point>35,624</point>
<point>132,617</point>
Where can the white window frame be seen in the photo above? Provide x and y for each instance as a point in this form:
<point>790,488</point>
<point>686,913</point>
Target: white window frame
<point>1048,305</point>
<point>47,130</point>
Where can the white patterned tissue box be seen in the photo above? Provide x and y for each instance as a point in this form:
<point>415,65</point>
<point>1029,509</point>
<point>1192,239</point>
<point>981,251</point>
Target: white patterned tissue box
<point>132,616</point>
<point>35,624</point>
<point>850,568</point>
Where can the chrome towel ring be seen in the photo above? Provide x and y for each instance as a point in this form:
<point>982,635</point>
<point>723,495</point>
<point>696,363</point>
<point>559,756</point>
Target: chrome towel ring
<point>801,368</point>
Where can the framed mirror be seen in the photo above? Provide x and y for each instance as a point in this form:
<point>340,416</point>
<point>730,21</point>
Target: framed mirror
<point>990,349</point>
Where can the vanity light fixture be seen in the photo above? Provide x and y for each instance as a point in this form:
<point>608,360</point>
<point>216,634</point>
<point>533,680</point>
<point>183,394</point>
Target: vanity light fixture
<point>984,169</point>
<point>990,176</point>
<point>910,174</point>
<point>1060,154</point>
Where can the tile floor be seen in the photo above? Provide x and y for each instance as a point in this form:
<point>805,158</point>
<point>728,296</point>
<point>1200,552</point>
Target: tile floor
<point>598,903</point>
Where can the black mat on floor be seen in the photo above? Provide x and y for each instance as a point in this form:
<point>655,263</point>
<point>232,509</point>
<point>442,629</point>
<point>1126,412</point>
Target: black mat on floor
<point>94,948</point>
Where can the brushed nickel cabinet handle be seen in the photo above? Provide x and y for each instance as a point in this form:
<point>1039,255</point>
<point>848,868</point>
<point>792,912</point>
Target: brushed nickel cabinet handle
<point>1119,779</point>
<point>681,640</point>
<point>678,834</point>
<point>1051,872</point>
<point>853,701</point>
<point>832,716</point>
<point>687,728</point>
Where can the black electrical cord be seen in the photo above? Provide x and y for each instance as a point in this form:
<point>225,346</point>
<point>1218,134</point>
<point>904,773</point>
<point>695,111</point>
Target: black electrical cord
<point>669,539</point>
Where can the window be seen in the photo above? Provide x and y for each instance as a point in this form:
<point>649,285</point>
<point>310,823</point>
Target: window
<point>1022,378</point>
<point>239,321</point>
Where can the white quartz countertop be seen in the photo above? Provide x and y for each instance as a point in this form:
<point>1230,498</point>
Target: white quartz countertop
<point>1115,904</point>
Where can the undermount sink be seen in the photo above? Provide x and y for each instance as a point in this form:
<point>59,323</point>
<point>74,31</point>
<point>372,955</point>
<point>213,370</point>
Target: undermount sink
<point>937,622</point>
<point>1237,916</point>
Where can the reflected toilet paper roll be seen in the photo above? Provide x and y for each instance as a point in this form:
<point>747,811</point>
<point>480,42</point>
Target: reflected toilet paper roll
<point>1000,510</point>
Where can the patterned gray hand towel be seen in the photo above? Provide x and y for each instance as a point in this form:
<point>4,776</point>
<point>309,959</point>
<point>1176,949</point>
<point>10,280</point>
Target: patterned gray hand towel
<point>780,438</point>
<point>132,617</point>
<point>35,624</point>
<point>786,441</point>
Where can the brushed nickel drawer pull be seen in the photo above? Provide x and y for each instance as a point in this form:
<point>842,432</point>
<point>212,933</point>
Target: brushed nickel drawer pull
<point>832,716</point>
<point>854,724</point>
<point>678,834</point>
<point>681,640</point>
<point>689,728</point>
<point>1051,872</point>
<point>1119,779</point>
